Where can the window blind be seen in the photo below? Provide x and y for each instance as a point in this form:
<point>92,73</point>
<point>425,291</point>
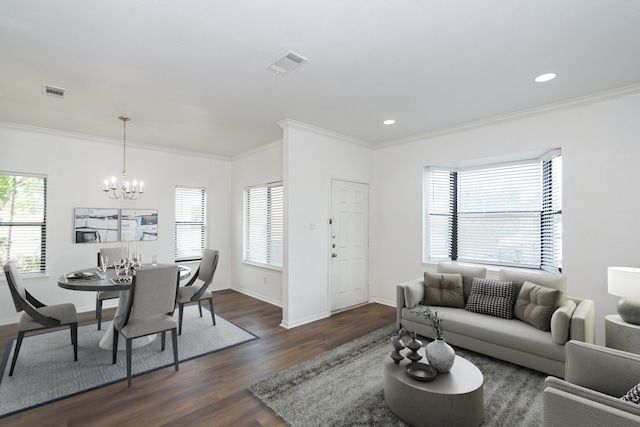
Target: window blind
<point>190,223</point>
<point>23,221</point>
<point>508,215</point>
<point>263,225</point>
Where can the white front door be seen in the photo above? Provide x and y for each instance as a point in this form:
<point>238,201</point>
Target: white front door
<point>349,244</point>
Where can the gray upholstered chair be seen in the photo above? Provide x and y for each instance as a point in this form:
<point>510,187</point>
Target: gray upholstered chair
<point>36,314</point>
<point>150,308</point>
<point>189,292</point>
<point>595,379</point>
<point>114,254</point>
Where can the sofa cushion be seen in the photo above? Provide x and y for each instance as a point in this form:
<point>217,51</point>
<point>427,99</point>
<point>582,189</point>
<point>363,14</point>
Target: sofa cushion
<point>467,272</point>
<point>548,280</point>
<point>443,290</point>
<point>413,294</point>
<point>633,395</point>
<point>512,334</point>
<point>535,305</point>
<point>492,297</point>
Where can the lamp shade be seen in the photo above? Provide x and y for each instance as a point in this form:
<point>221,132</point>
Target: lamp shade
<point>624,282</point>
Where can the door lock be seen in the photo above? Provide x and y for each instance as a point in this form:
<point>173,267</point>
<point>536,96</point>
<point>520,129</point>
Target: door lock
<point>334,255</point>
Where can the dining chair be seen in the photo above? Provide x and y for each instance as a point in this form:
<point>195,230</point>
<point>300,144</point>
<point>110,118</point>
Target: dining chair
<point>114,254</point>
<point>37,315</point>
<point>189,292</point>
<point>150,308</point>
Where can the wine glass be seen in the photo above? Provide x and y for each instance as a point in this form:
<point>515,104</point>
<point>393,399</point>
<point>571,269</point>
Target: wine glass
<point>117,266</point>
<point>104,263</point>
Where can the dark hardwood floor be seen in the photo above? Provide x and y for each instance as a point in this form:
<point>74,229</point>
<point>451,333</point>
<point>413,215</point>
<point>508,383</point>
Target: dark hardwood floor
<point>211,390</point>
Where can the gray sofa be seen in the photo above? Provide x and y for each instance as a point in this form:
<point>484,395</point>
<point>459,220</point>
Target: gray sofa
<point>511,340</point>
<point>595,379</point>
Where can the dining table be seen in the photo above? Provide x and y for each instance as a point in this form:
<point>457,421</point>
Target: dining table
<point>94,279</point>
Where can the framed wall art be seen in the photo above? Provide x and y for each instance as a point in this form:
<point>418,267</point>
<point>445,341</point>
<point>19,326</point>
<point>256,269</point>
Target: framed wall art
<point>96,225</point>
<point>138,224</point>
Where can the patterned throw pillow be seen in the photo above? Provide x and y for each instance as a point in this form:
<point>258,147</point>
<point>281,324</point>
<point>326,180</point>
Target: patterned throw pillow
<point>633,395</point>
<point>494,297</point>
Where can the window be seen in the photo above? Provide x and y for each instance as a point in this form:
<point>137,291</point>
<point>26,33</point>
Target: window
<point>263,225</point>
<point>500,214</point>
<point>191,224</point>
<point>23,227</point>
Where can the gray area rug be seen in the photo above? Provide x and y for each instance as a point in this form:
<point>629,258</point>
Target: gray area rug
<point>46,372</point>
<point>344,387</point>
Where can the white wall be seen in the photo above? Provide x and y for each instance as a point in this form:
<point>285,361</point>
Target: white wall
<point>75,167</point>
<point>258,167</point>
<point>312,158</point>
<point>600,145</point>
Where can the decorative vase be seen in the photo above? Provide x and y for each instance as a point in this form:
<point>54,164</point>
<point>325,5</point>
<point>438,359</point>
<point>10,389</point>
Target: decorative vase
<point>398,345</point>
<point>414,345</point>
<point>440,355</point>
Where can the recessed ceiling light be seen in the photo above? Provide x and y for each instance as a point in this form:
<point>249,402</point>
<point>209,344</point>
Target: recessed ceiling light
<point>389,122</point>
<point>545,77</point>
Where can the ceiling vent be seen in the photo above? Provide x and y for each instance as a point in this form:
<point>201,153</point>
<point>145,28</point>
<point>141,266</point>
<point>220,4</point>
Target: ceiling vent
<point>58,92</point>
<point>287,62</point>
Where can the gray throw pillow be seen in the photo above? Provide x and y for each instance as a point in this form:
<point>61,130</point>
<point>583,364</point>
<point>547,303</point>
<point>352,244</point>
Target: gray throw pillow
<point>535,305</point>
<point>493,297</point>
<point>443,290</point>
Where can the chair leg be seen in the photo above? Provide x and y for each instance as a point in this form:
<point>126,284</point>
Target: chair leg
<point>16,351</point>
<point>180,310</point>
<point>114,346</point>
<point>200,307</point>
<point>99,312</point>
<point>213,317</point>
<point>162,337</point>
<point>74,340</point>
<point>129,342</point>
<point>174,339</point>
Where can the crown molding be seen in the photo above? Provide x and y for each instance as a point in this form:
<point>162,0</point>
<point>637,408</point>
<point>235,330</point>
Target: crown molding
<point>67,134</point>
<point>265,147</point>
<point>562,105</point>
<point>284,124</point>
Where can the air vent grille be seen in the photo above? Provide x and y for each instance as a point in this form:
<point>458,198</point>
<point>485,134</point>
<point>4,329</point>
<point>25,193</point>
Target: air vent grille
<point>58,92</point>
<point>287,62</point>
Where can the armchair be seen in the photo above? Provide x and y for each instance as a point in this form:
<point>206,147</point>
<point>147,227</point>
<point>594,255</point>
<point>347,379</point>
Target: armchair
<point>595,379</point>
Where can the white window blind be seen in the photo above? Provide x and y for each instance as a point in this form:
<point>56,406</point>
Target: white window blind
<point>263,225</point>
<point>190,223</point>
<point>23,221</point>
<point>508,215</point>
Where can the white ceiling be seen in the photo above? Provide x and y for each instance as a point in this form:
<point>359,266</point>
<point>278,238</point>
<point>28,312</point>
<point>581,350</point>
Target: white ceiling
<point>192,74</point>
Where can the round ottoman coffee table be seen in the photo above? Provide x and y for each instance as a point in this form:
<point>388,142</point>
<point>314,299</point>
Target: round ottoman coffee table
<point>455,398</point>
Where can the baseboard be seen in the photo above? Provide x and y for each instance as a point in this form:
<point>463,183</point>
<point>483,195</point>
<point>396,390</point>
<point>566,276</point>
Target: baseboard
<point>384,302</point>
<point>290,325</point>
<point>257,296</point>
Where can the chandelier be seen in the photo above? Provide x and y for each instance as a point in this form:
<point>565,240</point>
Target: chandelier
<point>126,190</point>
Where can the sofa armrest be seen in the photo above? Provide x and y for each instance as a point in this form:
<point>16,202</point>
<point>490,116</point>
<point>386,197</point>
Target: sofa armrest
<point>583,324</point>
<point>408,294</point>
<point>592,395</point>
<point>606,370</point>
<point>399,305</point>
<point>566,409</point>
<point>561,322</point>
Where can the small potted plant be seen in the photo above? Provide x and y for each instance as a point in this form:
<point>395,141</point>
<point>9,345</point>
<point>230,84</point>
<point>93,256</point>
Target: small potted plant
<point>439,354</point>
